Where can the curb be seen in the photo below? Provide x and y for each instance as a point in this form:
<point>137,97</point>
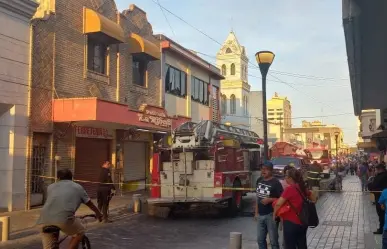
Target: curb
<point>32,234</point>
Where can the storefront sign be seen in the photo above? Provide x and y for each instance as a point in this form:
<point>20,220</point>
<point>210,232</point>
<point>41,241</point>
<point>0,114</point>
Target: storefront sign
<point>155,116</point>
<point>91,132</point>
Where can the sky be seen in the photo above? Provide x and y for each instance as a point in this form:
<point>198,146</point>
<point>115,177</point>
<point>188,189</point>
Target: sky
<point>310,66</point>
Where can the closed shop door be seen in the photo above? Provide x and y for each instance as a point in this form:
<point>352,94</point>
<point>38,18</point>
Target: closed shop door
<point>89,157</point>
<point>135,161</point>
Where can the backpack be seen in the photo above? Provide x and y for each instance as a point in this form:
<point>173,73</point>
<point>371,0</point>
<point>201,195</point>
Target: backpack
<point>308,215</point>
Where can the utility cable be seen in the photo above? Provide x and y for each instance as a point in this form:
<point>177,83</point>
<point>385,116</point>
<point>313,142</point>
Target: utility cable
<point>254,66</point>
<point>166,19</point>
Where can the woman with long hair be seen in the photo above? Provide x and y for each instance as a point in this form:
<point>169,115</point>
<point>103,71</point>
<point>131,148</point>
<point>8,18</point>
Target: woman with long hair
<point>283,181</point>
<point>294,231</point>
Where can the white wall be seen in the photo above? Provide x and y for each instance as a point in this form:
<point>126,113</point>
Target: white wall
<point>199,112</point>
<point>175,105</point>
<point>14,71</point>
<point>240,118</point>
<point>369,123</point>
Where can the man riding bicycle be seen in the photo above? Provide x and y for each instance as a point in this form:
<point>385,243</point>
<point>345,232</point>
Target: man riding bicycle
<point>63,200</point>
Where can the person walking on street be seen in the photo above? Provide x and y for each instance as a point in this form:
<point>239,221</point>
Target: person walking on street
<point>106,190</point>
<point>378,184</point>
<point>363,175</point>
<point>294,231</point>
<point>353,168</point>
<point>269,189</point>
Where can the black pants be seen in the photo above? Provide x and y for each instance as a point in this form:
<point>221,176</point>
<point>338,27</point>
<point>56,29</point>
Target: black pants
<point>103,199</point>
<point>381,214</point>
<point>294,235</point>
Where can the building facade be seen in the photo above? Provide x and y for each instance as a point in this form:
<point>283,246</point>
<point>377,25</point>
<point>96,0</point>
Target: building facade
<point>316,135</point>
<point>256,112</point>
<point>279,116</point>
<point>369,124</point>
<point>15,64</point>
<point>367,60</point>
<point>235,89</point>
<point>96,94</point>
<point>191,85</point>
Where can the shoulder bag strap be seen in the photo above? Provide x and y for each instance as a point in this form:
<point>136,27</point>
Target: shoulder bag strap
<point>294,209</point>
<point>302,195</point>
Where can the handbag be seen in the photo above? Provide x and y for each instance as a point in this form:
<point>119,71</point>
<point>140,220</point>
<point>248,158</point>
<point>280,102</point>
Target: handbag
<point>284,209</point>
<point>308,214</point>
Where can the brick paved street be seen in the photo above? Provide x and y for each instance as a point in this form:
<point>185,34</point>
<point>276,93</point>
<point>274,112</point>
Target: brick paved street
<point>23,222</point>
<point>347,221</point>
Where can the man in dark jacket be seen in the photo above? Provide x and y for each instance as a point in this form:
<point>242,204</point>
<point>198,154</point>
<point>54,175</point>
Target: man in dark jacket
<point>105,190</point>
<point>314,172</point>
<point>379,184</point>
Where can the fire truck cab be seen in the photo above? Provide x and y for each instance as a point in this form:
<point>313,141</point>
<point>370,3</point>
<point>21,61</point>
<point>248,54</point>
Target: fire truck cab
<point>207,164</point>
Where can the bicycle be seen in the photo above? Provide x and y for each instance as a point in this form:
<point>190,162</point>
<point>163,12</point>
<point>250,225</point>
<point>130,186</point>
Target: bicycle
<point>55,231</point>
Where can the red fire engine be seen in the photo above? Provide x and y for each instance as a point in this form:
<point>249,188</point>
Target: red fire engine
<point>280,149</point>
<point>320,155</point>
<point>202,165</point>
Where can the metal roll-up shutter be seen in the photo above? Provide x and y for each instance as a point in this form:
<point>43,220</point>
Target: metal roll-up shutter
<point>134,161</point>
<point>89,157</point>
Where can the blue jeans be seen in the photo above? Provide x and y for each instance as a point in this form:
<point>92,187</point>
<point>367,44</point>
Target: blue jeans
<point>384,239</point>
<point>266,224</point>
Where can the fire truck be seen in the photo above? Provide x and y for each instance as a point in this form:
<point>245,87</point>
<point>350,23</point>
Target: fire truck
<point>320,155</point>
<point>207,163</point>
<point>280,149</point>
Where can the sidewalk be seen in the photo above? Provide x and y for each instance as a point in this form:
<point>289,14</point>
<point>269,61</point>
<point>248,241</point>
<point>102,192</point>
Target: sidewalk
<point>23,222</point>
<point>347,220</point>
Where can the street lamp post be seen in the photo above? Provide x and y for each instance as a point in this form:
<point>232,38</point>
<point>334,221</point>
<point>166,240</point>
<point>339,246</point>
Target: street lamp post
<point>264,60</point>
<point>337,153</point>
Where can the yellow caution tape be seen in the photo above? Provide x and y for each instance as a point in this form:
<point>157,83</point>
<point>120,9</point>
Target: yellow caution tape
<point>195,187</point>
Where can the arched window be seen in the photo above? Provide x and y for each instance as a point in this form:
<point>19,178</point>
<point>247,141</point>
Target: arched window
<point>233,69</point>
<point>224,105</point>
<point>224,70</point>
<point>232,104</point>
<point>228,51</point>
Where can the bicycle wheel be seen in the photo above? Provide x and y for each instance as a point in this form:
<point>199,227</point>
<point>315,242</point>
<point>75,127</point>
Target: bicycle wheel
<point>85,244</point>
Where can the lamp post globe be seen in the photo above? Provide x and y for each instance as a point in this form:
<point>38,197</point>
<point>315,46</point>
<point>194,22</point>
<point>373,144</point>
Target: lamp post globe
<point>264,60</point>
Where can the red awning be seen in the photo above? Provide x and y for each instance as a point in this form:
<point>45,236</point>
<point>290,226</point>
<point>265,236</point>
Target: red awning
<point>94,109</point>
